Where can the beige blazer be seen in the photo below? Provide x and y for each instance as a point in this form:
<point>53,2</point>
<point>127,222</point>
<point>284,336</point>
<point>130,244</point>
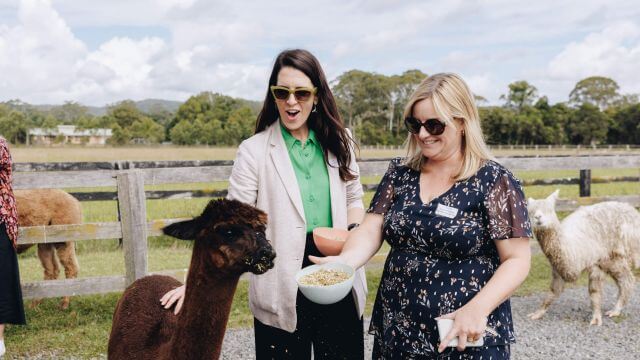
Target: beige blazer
<point>263,176</point>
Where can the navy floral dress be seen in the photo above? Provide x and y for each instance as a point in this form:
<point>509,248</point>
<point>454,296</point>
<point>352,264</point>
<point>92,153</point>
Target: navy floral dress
<point>442,254</point>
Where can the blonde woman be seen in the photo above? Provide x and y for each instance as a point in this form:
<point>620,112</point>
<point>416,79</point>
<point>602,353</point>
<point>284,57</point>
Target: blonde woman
<point>459,232</point>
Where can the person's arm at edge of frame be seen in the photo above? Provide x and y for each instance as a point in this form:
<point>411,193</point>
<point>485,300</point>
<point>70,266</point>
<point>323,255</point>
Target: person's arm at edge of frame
<point>471,319</point>
<point>5,155</point>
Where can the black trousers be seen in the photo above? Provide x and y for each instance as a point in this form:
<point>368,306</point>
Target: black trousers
<point>11,306</point>
<point>335,330</point>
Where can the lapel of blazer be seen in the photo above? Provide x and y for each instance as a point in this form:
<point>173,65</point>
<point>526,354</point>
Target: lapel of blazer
<point>284,168</point>
<point>335,186</point>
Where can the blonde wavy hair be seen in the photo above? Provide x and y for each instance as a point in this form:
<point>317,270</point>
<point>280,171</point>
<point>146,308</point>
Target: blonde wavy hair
<point>451,99</point>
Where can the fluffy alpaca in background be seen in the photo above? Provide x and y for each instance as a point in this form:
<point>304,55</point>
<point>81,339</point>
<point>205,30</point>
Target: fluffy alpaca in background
<point>602,239</point>
<point>51,207</point>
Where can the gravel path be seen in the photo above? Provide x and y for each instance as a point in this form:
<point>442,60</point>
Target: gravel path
<point>563,333</point>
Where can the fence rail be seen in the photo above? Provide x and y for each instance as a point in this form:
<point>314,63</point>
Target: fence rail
<point>625,147</point>
<point>133,228</point>
<point>190,172</point>
<point>206,193</point>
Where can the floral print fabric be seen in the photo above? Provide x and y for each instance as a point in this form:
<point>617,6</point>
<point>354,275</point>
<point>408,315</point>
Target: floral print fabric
<point>8,213</point>
<point>442,253</point>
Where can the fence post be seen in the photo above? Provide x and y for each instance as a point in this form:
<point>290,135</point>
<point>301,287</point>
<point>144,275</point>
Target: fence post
<point>133,212</point>
<point>585,182</point>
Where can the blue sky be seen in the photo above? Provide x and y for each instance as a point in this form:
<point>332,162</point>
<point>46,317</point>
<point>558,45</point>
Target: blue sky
<point>101,51</point>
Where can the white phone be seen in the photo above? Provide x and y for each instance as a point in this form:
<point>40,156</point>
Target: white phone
<point>444,326</point>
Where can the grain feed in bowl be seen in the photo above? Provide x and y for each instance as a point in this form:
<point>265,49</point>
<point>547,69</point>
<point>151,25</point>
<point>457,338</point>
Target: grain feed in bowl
<point>324,277</point>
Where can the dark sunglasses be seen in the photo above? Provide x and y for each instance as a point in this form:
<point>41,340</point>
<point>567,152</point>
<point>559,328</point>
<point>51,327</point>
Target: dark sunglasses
<point>301,93</point>
<point>433,126</point>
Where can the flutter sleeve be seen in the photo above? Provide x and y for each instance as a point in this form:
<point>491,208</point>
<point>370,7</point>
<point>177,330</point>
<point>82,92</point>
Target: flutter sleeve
<point>507,209</point>
<point>383,198</point>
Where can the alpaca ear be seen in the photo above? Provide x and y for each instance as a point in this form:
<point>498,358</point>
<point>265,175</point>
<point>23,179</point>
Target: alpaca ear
<point>554,195</point>
<point>183,230</point>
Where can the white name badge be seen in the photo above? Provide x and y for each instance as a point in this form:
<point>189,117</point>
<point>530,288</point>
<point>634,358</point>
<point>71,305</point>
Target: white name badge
<point>446,211</point>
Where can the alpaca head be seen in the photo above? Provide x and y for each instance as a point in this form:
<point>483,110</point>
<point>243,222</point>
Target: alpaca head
<point>229,238</point>
<point>543,212</point>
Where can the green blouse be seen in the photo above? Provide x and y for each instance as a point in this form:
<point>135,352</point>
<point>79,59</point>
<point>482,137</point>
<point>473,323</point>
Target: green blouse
<point>313,179</point>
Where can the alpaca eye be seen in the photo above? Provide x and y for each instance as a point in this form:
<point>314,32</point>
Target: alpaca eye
<point>228,232</point>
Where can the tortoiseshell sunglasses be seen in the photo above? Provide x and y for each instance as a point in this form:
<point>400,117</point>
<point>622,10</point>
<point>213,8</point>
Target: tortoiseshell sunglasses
<point>300,93</point>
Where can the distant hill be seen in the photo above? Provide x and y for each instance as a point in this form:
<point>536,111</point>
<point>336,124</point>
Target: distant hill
<point>149,105</point>
<point>146,105</point>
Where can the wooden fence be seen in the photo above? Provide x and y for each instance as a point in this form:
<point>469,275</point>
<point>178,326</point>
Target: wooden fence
<point>604,147</point>
<point>133,228</point>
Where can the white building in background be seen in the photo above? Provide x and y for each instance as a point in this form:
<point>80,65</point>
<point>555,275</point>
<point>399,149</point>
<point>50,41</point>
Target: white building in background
<point>67,134</point>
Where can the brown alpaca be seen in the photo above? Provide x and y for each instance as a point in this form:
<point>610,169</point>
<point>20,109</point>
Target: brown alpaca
<point>229,240</point>
<point>50,207</point>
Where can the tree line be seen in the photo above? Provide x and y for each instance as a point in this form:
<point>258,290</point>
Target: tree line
<point>371,104</point>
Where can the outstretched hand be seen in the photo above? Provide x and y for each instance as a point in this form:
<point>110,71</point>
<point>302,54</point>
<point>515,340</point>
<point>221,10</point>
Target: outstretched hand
<point>327,259</point>
<point>468,326</point>
<point>171,297</point>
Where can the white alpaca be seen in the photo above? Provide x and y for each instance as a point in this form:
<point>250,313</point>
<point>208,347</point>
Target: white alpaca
<point>601,238</point>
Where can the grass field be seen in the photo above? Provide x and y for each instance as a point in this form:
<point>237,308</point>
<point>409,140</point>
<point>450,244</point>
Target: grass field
<point>88,320</point>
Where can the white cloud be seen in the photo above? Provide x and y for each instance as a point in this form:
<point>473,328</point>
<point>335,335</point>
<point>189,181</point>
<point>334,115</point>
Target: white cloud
<point>39,54</point>
<point>480,84</point>
<point>43,62</point>
<point>180,4</point>
<point>228,47</point>
<point>613,52</point>
<point>130,61</point>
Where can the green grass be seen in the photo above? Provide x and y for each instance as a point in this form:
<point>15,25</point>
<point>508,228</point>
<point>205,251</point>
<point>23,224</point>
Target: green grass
<point>573,191</point>
<point>104,263</point>
<point>81,331</point>
<point>551,174</point>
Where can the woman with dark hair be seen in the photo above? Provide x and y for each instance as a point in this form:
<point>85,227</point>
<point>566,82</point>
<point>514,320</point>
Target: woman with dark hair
<point>11,307</point>
<point>300,169</point>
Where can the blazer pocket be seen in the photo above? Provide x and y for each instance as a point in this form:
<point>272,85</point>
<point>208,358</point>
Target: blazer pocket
<point>263,291</point>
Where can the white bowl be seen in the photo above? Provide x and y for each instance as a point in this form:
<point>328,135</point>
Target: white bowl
<point>326,294</point>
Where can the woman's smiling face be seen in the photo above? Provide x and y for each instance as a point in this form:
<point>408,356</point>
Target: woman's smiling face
<point>293,113</point>
<point>436,147</point>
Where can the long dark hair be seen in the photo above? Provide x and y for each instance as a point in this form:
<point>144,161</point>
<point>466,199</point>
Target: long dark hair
<point>325,122</point>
